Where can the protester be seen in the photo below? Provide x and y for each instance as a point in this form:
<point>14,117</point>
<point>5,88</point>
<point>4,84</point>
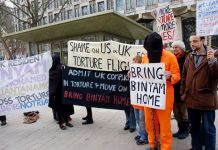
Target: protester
<point>88,119</point>
<point>55,94</point>
<point>2,117</point>
<point>155,118</point>
<point>179,109</point>
<point>3,120</point>
<point>142,136</point>
<point>199,91</point>
<point>130,120</point>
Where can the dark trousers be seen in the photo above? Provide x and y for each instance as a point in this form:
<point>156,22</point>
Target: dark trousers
<point>89,113</point>
<point>3,118</point>
<point>202,122</point>
<point>61,116</point>
<point>180,111</point>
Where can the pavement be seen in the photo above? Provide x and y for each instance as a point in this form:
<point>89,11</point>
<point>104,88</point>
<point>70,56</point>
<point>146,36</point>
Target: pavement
<point>105,134</point>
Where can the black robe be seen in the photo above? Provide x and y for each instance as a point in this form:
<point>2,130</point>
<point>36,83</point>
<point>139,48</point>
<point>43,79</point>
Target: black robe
<point>55,89</point>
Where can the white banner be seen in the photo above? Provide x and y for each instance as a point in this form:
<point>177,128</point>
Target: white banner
<point>103,56</point>
<point>166,24</point>
<point>24,83</point>
<point>148,85</point>
<point>207,18</point>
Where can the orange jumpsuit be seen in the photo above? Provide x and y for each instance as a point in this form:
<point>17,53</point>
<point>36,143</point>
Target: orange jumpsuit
<point>163,117</point>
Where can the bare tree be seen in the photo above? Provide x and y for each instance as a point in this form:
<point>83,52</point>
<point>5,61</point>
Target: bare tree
<point>33,10</point>
<point>29,12</point>
<point>6,26</point>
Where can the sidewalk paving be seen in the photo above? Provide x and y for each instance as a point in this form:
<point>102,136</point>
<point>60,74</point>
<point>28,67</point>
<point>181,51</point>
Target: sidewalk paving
<point>105,134</point>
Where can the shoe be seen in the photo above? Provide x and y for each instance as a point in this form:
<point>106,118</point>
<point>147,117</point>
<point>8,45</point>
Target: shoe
<point>63,127</point>
<point>176,134</point>
<point>126,128</point>
<point>3,123</point>
<point>87,122</point>
<point>137,137</point>
<point>69,125</point>
<point>69,119</point>
<point>131,130</point>
<point>183,135</point>
<point>141,142</point>
<point>85,118</point>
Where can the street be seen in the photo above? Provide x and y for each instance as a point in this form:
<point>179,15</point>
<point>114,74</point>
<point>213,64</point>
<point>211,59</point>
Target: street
<point>105,134</point>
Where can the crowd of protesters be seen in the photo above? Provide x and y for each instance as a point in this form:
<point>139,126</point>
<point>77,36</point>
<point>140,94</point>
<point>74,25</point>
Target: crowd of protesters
<point>191,94</point>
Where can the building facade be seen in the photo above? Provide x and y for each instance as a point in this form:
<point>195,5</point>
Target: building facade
<point>138,10</point>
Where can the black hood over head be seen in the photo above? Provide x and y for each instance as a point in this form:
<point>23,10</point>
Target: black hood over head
<point>154,45</point>
<point>56,60</point>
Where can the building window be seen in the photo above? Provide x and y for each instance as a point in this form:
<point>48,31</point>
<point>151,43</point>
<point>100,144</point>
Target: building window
<point>20,26</point>
<point>18,13</point>
<point>29,20</point>
<point>188,26</point>
<point>45,20</point>
<point>151,2</point>
<point>62,14</point>
<point>50,2</point>
<point>76,10</point>
<point>39,23</point>
<point>119,5</point>
<point>140,3</point>
<point>23,10</point>
<point>56,17</point>
<point>84,10</point>
<point>92,7</point>
<point>69,14</point>
<point>101,6</point>
<point>110,4</point>
<point>50,17</point>
<point>163,1</point>
<point>69,2</point>
<point>130,5</point>
<point>62,2</point>
<point>56,4</point>
<point>24,26</point>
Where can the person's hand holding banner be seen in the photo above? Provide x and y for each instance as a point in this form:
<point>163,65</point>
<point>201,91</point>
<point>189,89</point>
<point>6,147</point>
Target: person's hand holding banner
<point>210,54</point>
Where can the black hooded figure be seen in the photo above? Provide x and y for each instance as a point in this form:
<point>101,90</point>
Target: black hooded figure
<point>61,111</point>
<point>154,46</point>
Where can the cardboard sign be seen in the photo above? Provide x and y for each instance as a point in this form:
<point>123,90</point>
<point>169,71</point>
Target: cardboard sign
<point>207,18</point>
<point>102,56</point>
<point>148,85</point>
<point>166,24</point>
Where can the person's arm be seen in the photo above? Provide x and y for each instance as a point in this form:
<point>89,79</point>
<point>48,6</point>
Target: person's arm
<point>183,79</point>
<point>174,69</point>
<point>212,57</point>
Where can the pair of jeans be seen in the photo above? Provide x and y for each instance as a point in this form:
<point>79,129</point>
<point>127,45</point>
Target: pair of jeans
<point>140,120</point>
<point>130,118</point>
<point>202,123</point>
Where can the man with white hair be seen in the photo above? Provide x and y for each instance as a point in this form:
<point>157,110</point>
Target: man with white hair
<point>180,109</point>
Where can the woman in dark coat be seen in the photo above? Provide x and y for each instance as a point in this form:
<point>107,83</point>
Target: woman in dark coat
<point>61,111</point>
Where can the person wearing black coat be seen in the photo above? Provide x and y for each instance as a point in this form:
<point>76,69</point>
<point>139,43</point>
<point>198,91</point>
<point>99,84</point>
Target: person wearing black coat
<point>61,111</point>
<point>180,109</point>
<point>3,120</point>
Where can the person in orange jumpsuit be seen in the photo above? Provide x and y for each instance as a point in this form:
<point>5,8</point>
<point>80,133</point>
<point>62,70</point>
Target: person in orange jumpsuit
<point>159,121</point>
